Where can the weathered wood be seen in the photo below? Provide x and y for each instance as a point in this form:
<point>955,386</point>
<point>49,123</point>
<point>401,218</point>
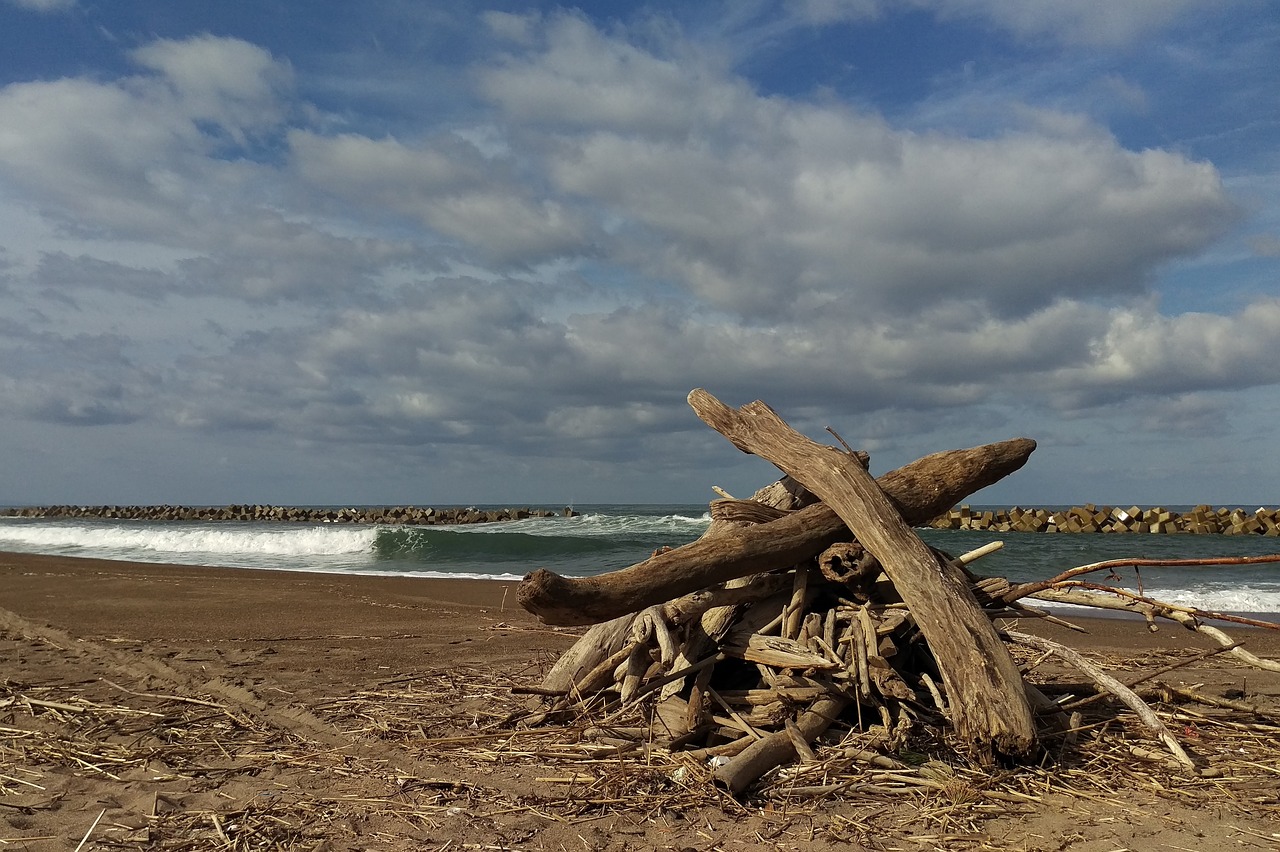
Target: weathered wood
<point>779,652</point>
<point>598,644</point>
<point>1109,684</point>
<point>920,491</point>
<point>605,638</point>
<point>1151,611</point>
<point>716,610</point>
<point>744,512</point>
<point>985,693</point>
<point>779,748</point>
<point>767,504</point>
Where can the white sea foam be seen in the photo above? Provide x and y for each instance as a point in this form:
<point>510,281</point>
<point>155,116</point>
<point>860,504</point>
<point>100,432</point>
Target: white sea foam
<point>1263,601</point>
<point>135,541</point>
<point>597,525</point>
<point>1241,599</point>
<point>341,548</point>
<point>430,575</point>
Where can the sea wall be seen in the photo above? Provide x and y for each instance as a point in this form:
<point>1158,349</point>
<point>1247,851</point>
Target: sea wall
<point>1203,520</point>
<point>417,515</point>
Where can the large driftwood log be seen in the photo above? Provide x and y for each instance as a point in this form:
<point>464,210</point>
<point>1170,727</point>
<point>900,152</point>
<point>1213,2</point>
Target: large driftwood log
<point>985,691</point>
<point>920,491</point>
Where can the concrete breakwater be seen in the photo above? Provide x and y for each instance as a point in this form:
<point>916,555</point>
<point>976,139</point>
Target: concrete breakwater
<point>1202,520</point>
<point>416,515</point>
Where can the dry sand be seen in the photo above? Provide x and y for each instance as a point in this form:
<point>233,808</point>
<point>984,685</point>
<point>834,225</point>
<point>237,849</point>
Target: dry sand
<point>169,707</point>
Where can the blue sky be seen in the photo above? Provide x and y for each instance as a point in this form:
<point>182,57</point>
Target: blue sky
<point>449,253</point>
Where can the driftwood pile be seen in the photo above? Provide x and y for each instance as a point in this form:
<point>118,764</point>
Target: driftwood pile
<point>815,602</point>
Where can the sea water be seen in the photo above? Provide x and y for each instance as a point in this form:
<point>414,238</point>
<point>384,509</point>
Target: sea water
<point>607,537</point>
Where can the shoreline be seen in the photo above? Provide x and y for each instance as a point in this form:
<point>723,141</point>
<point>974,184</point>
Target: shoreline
<point>103,594</point>
<point>469,590</point>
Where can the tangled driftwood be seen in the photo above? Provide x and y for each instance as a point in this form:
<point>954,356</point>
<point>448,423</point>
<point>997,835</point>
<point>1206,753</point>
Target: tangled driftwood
<point>816,602</point>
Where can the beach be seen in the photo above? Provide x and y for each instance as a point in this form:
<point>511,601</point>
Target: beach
<point>184,707</point>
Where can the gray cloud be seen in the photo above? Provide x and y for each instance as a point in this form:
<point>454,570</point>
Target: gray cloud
<point>827,209</point>
<point>60,274</point>
<point>1113,22</point>
<point>541,281</point>
<point>43,5</point>
<point>79,380</point>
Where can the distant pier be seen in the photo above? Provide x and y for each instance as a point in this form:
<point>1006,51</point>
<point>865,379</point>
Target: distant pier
<point>411,515</point>
<point>1202,520</point>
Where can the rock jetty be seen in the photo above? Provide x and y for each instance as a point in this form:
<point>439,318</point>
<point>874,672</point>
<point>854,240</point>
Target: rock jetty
<point>413,515</point>
<point>1202,520</point>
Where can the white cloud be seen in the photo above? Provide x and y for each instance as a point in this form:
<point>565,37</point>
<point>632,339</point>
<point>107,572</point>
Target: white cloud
<point>44,5</point>
<point>1090,21</point>
<point>138,160</point>
<point>133,157</point>
<point>95,152</point>
<point>1076,21</point>
<point>237,85</point>
<point>804,252</point>
<point>450,187</point>
<point>820,12</point>
<point>828,209</point>
<point>385,172</point>
<point>584,79</point>
<point>1144,352</point>
<point>511,27</point>
<point>1265,245</point>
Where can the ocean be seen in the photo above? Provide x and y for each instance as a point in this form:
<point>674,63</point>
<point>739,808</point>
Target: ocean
<point>607,537</point>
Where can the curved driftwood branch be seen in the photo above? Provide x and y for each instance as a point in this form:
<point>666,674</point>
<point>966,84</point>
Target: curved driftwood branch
<point>1026,589</point>
<point>1102,600</point>
<point>920,491</point>
<point>1109,684</point>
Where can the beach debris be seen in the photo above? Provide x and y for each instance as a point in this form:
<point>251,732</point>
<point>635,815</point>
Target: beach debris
<point>814,605</point>
<point>785,525</point>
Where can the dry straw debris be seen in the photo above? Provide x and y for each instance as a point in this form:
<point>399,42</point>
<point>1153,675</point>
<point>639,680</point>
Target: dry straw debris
<point>458,756</point>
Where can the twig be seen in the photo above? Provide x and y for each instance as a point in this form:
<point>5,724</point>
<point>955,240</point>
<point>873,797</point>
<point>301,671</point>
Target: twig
<point>1172,607</point>
<point>1203,655</point>
<point>1100,598</point>
<point>1025,589</point>
<point>85,839</point>
<point>737,717</point>
<point>1213,701</point>
<point>180,698</point>
<point>1115,687</point>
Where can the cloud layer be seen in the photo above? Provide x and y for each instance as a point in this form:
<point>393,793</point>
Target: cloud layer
<point>538,279</point>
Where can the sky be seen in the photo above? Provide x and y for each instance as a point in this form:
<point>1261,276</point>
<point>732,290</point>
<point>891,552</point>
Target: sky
<point>402,251</point>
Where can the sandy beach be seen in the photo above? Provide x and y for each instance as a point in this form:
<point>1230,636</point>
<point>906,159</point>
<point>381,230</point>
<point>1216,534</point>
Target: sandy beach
<point>171,707</point>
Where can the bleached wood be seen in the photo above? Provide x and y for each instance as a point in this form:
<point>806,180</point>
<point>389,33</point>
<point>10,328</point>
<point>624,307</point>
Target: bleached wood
<point>985,693</point>
<point>920,491</point>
